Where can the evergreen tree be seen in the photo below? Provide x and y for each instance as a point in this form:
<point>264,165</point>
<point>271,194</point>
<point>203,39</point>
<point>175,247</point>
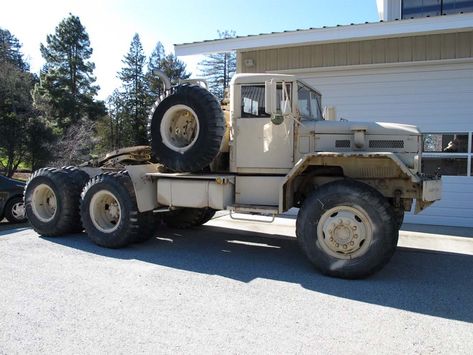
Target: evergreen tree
<point>174,68</point>
<point>67,88</point>
<point>219,68</point>
<point>40,142</point>
<point>10,50</point>
<point>117,133</point>
<point>155,63</point>
<point>15,108</point>
<point>135,95</point>
<point>24,136</point>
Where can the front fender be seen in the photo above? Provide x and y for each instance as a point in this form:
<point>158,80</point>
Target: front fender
<point>383,170</point>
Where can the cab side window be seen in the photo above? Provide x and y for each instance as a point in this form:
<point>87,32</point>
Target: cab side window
<point>252,101</point>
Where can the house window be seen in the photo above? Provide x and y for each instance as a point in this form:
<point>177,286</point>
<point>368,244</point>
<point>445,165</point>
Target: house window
<point>424,8</point>
<point>447,154</point>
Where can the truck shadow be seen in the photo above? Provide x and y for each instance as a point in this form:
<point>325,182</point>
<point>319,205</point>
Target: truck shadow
<point>430,283</point>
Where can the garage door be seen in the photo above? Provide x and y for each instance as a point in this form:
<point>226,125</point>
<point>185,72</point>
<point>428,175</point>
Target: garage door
<point>437,97</point>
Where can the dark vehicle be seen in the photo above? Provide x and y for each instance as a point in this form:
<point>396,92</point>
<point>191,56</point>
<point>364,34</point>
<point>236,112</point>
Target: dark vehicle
<point>11,200</point>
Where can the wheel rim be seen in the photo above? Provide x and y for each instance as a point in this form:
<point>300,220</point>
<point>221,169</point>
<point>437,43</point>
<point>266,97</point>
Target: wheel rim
<point>44,203</point>
<point>105,211</point>
<point>179,128</point>
<point>345,232</point>
<point>18,210</point>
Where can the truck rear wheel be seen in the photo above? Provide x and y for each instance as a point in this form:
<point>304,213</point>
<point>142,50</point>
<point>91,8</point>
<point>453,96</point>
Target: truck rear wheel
<point>110,214</point>
<point>184,218</point>
<point>52,199</point>
<point>347,229</point>
<point>187,129</point>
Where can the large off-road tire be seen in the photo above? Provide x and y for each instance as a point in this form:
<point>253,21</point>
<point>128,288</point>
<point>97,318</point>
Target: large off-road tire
<point>79,177</point>
<point>110,214</point>
<point>52,198</point>
<point>15,210</point>
<point>184,218</point>
<point>347,229</point>
<point>187,128</point>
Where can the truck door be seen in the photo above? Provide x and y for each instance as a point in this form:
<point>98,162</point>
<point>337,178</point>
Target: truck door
<point>261,146</point>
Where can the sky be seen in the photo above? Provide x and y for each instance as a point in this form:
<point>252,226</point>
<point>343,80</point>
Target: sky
<point>111,24</point>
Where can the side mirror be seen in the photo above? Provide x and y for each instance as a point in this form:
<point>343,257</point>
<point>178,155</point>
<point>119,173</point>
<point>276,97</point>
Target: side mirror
<point>286,108</point>
<point>270,94</point>
<point>281,109</point>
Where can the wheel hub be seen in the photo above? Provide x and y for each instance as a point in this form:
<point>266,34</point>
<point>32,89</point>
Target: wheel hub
<point>344,232</point>
<point>18,210</point>
<point>179,128</point>
<point>105,211</point>
<point>44,203</point>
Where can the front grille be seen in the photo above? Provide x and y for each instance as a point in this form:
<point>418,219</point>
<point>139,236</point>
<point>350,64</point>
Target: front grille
<point>386,144</point>
<point>342,143</point>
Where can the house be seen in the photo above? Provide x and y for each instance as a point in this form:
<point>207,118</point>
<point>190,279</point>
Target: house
<point>414,66</point>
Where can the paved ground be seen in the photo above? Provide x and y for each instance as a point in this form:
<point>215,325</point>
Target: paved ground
<point>224,289</point>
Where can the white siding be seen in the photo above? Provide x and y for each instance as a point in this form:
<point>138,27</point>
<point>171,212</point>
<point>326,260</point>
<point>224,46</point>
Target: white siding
<point>455,208</point>
<point>435,97</point>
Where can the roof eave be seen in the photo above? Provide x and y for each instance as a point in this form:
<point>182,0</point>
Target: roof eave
<point>431,25</point>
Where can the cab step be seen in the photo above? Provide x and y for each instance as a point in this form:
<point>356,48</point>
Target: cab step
<point>270,211</point>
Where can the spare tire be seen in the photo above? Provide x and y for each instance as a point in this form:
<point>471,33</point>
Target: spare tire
<point>187,129</point>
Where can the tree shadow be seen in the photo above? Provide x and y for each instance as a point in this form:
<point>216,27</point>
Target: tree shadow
<point>431,283</point>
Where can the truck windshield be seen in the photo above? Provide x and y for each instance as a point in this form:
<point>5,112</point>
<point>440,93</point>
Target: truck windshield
<point>309,103</point>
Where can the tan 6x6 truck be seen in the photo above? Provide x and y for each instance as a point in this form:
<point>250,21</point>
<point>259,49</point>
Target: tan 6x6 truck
<point>266,150</point>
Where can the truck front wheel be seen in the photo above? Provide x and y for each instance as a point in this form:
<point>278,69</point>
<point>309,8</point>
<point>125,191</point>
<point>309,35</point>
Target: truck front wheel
<point>110,214</point>
<point>347,229</point>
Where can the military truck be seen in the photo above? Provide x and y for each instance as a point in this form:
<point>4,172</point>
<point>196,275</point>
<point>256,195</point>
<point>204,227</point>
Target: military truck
<point>266,150</point>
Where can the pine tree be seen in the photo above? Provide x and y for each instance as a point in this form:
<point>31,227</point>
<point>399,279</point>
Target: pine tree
<point>10,50</point>
<point>155,63</point>
<point>174,68</point>
<point>15,109</point>
<point>219,68</point>
<point>67,88</point>
<point>116,134</point>
<point>23,135</point>
<point>135,94</point>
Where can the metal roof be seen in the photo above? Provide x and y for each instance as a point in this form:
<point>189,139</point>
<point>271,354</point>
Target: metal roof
<point>327,34</point>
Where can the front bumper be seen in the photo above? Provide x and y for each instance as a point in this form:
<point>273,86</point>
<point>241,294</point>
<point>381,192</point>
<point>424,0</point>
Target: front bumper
<point>431,192</point>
